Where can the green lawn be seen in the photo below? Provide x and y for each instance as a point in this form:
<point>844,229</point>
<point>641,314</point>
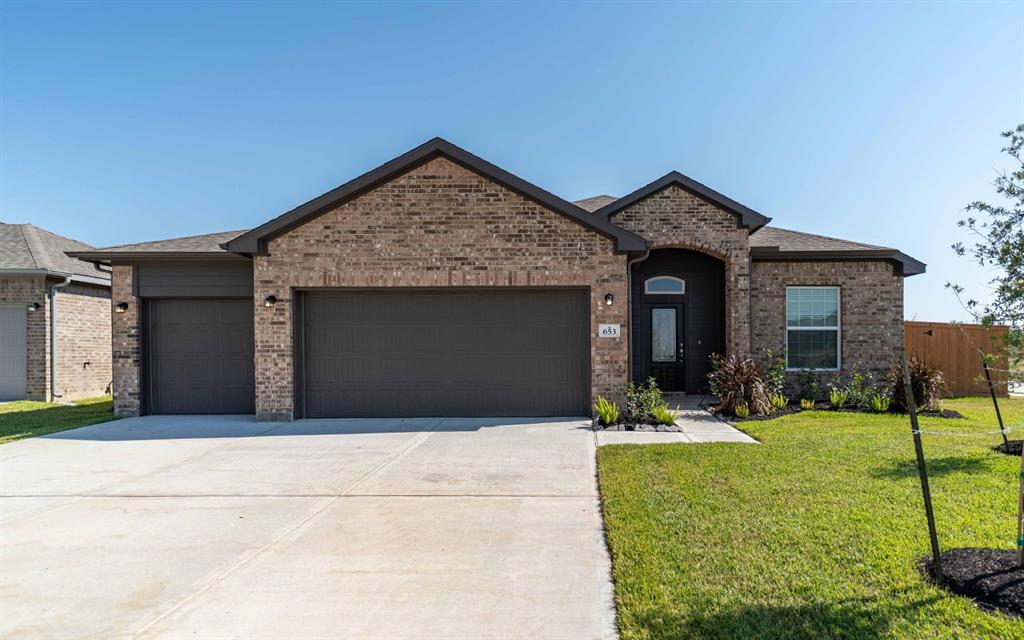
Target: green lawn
<point>816,533</point>
<point>27,419</point>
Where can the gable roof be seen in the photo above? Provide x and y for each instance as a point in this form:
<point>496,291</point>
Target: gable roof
<point>747,216</point>
<point>27,248</point>
<point>784,244</point>
<point>255,240</point>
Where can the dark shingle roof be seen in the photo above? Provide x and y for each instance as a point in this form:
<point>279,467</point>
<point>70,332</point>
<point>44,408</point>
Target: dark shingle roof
<point>25,246</point>
<point>594,203</point>
<point>772,243</point>
<point>206,243</point>
<point>788,240</point>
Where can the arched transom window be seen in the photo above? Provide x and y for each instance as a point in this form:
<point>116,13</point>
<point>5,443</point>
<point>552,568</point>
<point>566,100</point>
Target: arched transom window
<point>665,285</point>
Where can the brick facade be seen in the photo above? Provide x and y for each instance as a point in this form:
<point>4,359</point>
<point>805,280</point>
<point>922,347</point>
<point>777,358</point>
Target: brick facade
<point>83,335</point>
<point>675,218</point>
<point>83,341</point>
<point>871,310</point>
<point>125,344</point>
<point>439,225</point>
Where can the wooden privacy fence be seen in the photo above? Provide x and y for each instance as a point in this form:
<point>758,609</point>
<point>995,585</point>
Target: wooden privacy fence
<point>953,348</point>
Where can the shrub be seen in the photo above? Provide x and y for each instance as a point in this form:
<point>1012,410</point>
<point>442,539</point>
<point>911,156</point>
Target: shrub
<point>664,415</point>
<point>810,387</point>
<point>735,382</point>
<point>775,372</point>
<point>860,389</point>
<point>928,383</point>
<point>742,411</point>
<point>642,400</point>
<point>806,404</point>
<point>778,401</point>
<point>607,411</point>
<point>837,398</point>
<point>880,403</point>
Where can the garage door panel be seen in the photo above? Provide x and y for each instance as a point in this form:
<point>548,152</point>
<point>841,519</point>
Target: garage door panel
<point>200,356</point>
<point>13,352</point>
<point>447,353</point>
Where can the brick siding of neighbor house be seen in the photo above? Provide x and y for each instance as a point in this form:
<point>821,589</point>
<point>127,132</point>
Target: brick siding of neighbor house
<point>83,341</point>
<point>675,218</point>
<point>125,336</point>
<point>24,291</point>
<point>871,311</point>
<point>438,225</point>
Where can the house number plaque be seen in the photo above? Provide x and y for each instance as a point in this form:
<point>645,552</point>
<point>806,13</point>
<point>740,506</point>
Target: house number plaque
<point>608,330</point>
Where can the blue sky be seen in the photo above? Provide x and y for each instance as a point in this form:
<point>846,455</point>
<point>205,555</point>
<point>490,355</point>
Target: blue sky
<point>875,122</point>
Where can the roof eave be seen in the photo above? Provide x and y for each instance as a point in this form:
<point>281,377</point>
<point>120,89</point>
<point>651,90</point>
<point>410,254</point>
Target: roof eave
<point>908,266</point>
<point>107,257</point>
<point>254,241</point>
<point>75,277</point>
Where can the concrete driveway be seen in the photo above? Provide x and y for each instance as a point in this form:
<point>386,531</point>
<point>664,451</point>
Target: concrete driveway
<point>223,527</point>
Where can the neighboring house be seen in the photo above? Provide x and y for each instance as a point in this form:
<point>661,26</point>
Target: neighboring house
<point>441,285</point>
<point>54,318</point>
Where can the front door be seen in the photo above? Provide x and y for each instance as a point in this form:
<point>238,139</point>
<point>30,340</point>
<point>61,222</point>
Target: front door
<point>665,357</point>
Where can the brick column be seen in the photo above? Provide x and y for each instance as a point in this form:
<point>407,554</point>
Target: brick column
<point>126,337</point>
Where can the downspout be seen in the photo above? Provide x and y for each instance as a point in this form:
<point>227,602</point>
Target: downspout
<point>53,335</point>
<point>629,307</point>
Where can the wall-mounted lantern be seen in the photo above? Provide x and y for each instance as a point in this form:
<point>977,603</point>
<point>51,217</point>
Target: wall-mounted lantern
<point>609,299</point>
<point>121,307</point>
<point>33,307</point>
<point>270,301</point>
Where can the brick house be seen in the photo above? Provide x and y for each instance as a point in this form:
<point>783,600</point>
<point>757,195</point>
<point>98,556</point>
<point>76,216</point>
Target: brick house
<point>439,284</point>
<point>53,309</point>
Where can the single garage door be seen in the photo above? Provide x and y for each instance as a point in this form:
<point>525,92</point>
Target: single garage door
<point>12,351</point>
<point>446,353</point>
<point>200,356</point>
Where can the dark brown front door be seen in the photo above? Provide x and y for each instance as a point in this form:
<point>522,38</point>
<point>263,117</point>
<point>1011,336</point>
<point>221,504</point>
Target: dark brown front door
<point>453,352</point>
<point>199,357</point>
<point>665,349</point>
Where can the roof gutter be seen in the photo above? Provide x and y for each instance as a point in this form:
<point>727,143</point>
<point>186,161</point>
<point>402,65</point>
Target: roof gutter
<point>53,335</point>
<point>908,266</point>
<point>75,277</point>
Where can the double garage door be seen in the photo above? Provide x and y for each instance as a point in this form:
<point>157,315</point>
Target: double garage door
<point>386,353</point>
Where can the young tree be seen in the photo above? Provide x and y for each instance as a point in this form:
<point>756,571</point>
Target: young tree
<point>998,230</point>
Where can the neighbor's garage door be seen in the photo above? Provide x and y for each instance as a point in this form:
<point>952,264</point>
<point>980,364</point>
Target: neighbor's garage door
<point>12,351</point>
<point>200,356</point>
<point>446,353</point>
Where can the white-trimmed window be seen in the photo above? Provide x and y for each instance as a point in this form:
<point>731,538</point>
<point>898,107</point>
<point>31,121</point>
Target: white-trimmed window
<point>812,328</point>
<point>665,286</point>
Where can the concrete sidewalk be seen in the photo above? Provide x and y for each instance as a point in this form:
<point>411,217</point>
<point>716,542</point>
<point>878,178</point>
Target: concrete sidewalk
<point>214,527</point>
<point>697,425</point>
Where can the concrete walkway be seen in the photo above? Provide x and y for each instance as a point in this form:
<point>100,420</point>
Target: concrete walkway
<point>202,527</point>
<point>697,424</point>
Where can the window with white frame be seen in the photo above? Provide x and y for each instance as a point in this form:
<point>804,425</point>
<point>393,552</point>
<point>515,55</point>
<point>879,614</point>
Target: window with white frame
<point>812,328</point>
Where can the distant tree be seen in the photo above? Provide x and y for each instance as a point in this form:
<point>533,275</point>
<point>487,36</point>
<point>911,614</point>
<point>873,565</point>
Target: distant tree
<point>998,230</point>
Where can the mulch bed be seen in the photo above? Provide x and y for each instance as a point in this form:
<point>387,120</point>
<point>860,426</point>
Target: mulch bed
<point>1012,448</point>
<point>990,577</point>
<point>824,406</point>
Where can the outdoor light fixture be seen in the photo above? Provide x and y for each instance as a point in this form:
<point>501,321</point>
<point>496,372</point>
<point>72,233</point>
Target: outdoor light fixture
<point>929,333</point>
<point>33,307</point>
<point>121,307</point>
<point>609,299</point>
<point>269,302</point>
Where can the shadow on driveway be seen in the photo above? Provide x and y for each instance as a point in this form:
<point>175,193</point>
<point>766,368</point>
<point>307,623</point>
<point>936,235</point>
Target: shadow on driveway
<point>186,427</point>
